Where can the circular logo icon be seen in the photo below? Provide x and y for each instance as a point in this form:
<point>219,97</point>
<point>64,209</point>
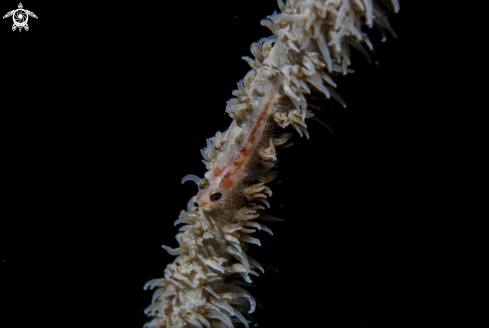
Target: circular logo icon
<point>20,17</point>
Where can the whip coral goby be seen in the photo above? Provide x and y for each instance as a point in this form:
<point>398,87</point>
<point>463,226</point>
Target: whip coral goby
<point>216,189</point>
<point>310,45</point>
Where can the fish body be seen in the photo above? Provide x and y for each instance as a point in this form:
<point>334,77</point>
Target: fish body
<point>233,165</point>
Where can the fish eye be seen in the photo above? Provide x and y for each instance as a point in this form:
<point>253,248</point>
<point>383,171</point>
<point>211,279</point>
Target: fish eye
<point>203,184</point>
<point>215,196</point>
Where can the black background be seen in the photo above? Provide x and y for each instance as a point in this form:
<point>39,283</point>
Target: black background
<point>104,110</point>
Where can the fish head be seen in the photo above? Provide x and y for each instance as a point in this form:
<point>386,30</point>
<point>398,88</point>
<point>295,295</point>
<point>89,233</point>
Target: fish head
<point>213,192</point>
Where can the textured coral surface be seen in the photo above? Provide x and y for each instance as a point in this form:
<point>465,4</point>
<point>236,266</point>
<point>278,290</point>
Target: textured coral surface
<point>311,45</point>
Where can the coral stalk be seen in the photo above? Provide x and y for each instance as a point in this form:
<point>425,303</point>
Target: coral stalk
<point>310,46</point>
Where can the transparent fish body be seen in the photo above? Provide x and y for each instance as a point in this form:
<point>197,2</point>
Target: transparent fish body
<point>233,166</point>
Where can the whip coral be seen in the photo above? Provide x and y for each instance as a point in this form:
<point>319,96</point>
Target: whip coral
<point>310,45</point>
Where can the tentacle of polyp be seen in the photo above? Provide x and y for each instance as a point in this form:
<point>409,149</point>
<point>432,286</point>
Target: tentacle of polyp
<point>308,48</point>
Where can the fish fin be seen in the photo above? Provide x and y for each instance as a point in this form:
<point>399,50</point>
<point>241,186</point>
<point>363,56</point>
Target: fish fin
<point>251,172</point>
